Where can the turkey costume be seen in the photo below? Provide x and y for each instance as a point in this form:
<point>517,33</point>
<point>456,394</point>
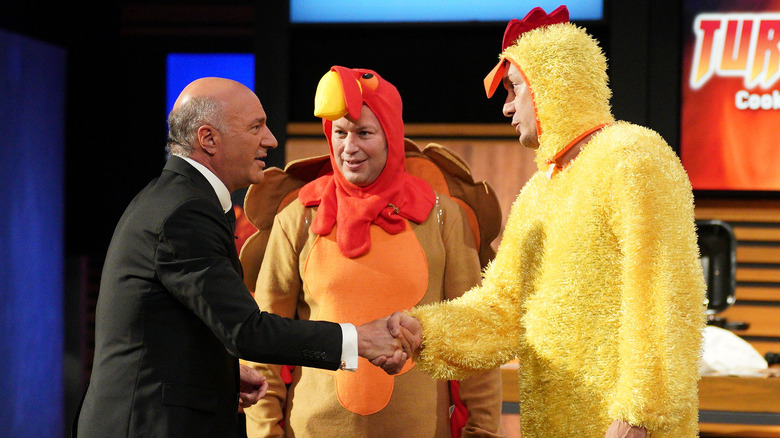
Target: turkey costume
<point>345,253</point>
<point>597,286</point>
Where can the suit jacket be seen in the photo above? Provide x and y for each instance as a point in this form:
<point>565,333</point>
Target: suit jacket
<point>173,315</point>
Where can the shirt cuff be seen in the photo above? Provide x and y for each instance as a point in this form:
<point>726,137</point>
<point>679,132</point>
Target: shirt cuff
<point>349,347</point>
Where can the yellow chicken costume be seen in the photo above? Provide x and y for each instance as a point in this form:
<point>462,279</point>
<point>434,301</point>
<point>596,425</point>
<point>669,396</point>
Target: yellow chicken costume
<point>597,286</point>
<point>339,252</point>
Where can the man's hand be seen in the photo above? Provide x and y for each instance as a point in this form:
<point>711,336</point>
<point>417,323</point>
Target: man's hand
<point>253,387</point>
<point>621,429</point>
<point>408,331</point>
<point>403,325</point>
<point>376,344</point>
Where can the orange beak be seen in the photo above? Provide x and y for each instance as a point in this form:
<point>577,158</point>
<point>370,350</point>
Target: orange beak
<point>494,78</point>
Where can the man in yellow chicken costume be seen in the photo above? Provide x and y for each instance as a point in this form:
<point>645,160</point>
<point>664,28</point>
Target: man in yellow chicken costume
<point>597,286</point>
<point>364,238</point>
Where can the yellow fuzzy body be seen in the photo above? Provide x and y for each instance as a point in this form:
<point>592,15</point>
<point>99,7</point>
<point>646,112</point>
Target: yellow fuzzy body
<point>597,287</point>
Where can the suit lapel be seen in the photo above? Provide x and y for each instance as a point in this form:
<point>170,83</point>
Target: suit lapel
<point>203,187</point>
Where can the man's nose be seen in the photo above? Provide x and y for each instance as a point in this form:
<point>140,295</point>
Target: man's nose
<point>350,144</point>
<point>509,109</point>
<point>269,140</point>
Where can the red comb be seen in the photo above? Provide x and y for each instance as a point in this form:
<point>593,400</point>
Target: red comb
<point>353,95</point>
<point>536,18</point>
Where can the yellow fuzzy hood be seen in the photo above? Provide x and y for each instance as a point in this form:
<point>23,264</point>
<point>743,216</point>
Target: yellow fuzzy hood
<point>567,75</point>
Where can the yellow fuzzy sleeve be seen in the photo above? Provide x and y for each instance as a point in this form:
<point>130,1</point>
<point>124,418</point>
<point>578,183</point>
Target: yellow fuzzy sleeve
<point>662,297</point>
<point>479,330</point>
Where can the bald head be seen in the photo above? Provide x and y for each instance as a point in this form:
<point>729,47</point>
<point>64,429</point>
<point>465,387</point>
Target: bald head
<point>204,101</point>
<point>218,89</point>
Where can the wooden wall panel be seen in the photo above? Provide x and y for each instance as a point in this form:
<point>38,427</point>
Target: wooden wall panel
<point>763,320</point>
<point>756,225</point>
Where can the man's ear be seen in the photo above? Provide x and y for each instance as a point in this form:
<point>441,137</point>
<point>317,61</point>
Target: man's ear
<point>207,139</point>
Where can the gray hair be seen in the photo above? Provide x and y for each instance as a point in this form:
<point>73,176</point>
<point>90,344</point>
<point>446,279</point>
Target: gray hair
<point>183,123</point>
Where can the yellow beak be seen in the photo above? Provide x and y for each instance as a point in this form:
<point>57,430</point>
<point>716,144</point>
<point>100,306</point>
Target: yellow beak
<point>329,101</point>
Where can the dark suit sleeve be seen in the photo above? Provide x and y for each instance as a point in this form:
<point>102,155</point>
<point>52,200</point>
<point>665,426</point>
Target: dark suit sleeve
<point>195,261</point>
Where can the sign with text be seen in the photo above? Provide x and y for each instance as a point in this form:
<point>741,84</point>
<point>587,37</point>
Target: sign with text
<point>730,119</point>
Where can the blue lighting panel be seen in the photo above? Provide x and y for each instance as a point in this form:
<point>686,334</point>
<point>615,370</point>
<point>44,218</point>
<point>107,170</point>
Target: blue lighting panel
<point>373,11</point>
<point>32,166</point>
<point>183,68</point>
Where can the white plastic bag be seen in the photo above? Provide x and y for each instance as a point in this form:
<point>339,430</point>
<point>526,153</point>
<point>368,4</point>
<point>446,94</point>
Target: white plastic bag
<point>727,354</point>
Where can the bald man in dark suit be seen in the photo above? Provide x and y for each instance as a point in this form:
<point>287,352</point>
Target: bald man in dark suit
<point>173,313</point>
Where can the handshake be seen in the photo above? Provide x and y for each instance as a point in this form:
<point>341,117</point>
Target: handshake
<point>388,342</point>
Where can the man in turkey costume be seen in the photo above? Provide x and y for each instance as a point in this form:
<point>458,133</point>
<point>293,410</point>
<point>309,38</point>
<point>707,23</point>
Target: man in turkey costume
<point>361,239</point>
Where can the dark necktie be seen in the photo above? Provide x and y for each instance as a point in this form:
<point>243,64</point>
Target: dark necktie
<point>231,217</point>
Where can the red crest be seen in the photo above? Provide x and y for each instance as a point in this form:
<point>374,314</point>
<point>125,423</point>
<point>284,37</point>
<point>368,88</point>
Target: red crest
<point>536,18</point>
